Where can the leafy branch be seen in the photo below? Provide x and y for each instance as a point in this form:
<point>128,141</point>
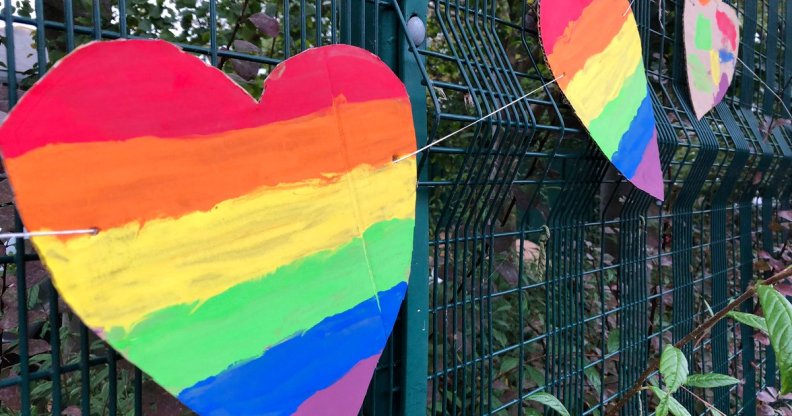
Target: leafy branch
<point>234,31</point>
<point>674,370</point>
<point>772,302</point>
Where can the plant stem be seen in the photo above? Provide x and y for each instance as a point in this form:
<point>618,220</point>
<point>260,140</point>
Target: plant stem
<point>783,249</point>
<point>234,33</point>
<point>706,404</point>
<point>700,331</point>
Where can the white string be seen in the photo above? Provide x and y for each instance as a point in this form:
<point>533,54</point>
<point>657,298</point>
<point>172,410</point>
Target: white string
<point>629,7</point>
<point>442,139</point>
<point>94,231</point>
<point>27,235</point>
<point>767,87</point>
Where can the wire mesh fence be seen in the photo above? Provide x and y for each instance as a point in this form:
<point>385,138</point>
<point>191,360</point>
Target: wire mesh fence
<point>549,272</point>
<point>537,267</point>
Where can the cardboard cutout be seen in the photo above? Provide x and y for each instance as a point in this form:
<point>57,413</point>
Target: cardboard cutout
<point>251,257</point>
<point>712,41</point>
<point>595,49</point>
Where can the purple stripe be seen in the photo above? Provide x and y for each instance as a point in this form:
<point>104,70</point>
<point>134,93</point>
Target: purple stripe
<point>649,176</point>
<point>347,393</point>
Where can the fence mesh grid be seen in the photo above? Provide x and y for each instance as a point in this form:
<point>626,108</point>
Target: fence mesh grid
<point>544,270</point>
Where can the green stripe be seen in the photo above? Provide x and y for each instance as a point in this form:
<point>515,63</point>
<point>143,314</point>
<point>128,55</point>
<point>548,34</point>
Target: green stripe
<point>703,33</point>
<point>609,127</point>
<point>702,80</point>
<point>184,344</point>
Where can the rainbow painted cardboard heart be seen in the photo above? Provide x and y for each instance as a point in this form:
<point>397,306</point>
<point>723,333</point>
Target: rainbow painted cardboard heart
<point>250,257</point>
<point>712,41</point>
<point>594,49</point>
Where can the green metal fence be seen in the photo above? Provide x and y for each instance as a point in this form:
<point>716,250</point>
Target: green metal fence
<point>536,266</point>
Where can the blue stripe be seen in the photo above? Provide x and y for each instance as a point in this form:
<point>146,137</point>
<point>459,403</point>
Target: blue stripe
<point>289,373</point>
<point>633,143</point>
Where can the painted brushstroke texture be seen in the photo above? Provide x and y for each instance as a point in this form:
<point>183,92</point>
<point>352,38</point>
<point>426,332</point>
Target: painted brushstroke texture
<point>598,83</point>
<point>340,395</point>
<point>711,44</point>
<point>641,131</point>
<point>331,274</point>
<point>290,373</point>
<point>594,48</point>
<point>251,257</point>
<point>164,170</point>
<point>184,83</point>
<point>615,120</point>
<point>176,247</point>
<point>599,36</point>
<point>649,163</point>
<point>729,26</point>
<point>556,21</point>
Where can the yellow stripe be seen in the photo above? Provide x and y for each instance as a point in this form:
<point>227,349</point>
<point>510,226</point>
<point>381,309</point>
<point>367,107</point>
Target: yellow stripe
<point>116,278</point>
<point>715,68</point>
<point>604,74</point>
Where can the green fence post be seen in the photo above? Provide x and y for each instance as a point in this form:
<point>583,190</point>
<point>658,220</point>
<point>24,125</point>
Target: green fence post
<point>416,352</point>
<point>745,213</point>
<point>387,38</point>
<point>416,358</point>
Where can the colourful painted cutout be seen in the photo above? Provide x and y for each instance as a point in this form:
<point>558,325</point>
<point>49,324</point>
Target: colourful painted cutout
<point>712,33</point>
<point>251,257</point>
<point>595,45</point>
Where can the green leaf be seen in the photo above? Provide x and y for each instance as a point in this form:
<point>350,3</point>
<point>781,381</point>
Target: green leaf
<point>613,341</point>
<point>508,364</point>
<point>673,368</point>
<point>497,403</point>
<point>662,408</point>
<point>710,380</point>
<point>550,401</point>
<point>755,322</point>
<point>674,407</point>
<point>778,315</point>
<point>535,375</point>
<point>593,377</point>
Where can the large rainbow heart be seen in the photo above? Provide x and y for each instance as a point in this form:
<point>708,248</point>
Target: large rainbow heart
<point>594,49</point>
<point>251,258</point>
<point>712,41</point>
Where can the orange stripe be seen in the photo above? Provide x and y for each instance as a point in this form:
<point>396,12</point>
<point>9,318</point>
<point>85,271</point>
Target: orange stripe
<point>108,184</point>
<point>597,26</point>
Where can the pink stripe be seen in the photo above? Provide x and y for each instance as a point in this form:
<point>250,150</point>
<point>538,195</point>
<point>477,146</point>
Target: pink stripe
<point>649,176</point>
<point>727,27</point>
<point>345,396</point>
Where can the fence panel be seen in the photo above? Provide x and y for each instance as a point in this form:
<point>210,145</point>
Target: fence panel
<point>536,267</point>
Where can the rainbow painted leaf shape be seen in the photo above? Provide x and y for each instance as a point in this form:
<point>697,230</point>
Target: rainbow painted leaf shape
<point>594,48</point>
<point>712,41</point>
<point>251,257</point>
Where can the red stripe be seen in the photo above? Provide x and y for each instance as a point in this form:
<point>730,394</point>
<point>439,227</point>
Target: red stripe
<point>131,88</point>
<point>556,15</point>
